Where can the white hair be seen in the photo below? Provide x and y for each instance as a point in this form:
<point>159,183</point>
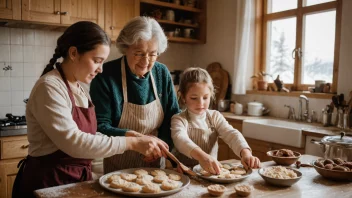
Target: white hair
<point>141,28</point>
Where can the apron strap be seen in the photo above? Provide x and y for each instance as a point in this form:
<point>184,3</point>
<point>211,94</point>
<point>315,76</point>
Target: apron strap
<point>124,84</point>
<point>67,85</point>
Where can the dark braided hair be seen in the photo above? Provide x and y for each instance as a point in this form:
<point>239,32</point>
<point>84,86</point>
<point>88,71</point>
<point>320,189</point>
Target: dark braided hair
<point>83,35</point>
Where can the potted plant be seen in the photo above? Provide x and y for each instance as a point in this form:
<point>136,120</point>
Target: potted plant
<point>262,83</point>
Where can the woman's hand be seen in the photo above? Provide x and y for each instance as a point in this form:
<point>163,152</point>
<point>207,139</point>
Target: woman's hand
<point>207,162</point>
<point>149,146</point>
<point>248,160</point>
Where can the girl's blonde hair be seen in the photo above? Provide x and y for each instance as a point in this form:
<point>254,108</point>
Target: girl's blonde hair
<point>194,75</point>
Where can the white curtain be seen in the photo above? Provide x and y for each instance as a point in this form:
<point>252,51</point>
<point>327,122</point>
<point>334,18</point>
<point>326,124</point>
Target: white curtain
<point>243,59</point>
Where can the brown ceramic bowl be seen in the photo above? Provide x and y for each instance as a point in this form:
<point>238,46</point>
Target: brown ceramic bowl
<point>333,174</point>
<point>285,161</point>
<point>280,182</point>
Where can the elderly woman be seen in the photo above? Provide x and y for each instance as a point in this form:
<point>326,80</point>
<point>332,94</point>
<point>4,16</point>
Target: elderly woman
<point>134,95</point>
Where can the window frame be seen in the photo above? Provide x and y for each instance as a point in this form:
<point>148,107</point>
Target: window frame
<point>261,21</point>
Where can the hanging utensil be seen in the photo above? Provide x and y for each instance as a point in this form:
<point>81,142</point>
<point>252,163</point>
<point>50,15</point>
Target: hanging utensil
<point>335,101</point>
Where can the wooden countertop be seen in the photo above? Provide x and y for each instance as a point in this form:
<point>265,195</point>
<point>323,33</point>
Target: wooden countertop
<point>316,129</point>
<point>311,185</point>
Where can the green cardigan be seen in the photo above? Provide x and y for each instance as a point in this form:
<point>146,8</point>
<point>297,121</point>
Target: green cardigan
<point>107,96</point>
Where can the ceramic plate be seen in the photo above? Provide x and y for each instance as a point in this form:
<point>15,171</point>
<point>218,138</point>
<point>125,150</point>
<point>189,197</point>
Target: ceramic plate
<point>183,183</point>
<point>214,178</point>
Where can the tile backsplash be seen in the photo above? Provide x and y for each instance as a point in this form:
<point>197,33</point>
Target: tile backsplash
<point>26,51</point>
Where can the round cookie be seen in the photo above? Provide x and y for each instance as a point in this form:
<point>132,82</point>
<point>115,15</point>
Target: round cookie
<point>140,172</point>
<point>131,187</point>
<point>169,184</point>
<point>239,171</point>
<point>113,177</point>
<point>160,178</point>
<point>174,177</point>
<point>205,173</point>
<point>119,183</point>
<point>151,188</point>
<point>224,171</point>
<point>232,176</point>
<point>144,179</point>
<point>128,177</point>
<point>157,172</point>
<point>226,166</point>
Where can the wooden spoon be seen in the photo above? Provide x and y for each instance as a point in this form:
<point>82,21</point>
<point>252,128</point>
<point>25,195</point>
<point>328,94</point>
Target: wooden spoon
<point>181,166</point>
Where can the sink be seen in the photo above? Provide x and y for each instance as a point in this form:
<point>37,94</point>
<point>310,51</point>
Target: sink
<point>276,131</point>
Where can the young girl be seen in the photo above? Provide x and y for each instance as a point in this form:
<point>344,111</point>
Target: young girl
<point>195,131</point>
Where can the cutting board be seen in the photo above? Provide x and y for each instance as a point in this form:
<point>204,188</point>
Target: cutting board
<point>220,80</point>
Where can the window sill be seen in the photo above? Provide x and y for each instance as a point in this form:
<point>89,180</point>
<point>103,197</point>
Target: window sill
<point>292,94</point>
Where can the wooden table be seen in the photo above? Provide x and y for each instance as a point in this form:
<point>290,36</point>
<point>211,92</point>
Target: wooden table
<point>311,185</point>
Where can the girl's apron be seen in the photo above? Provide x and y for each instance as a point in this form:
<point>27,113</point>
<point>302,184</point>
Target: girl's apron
<point>206,139</point>
<point>145,119</point>
<point>57,168</point>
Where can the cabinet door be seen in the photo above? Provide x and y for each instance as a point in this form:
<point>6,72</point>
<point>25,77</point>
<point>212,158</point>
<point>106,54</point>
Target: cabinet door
<point>47,11</point>
<point>8,171</point>
<point>10,9</point>
<point>73,11</point>
<point>118,13</point>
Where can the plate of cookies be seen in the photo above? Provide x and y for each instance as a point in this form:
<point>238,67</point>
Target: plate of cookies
<point>144,182</point>
<point>230,172</point>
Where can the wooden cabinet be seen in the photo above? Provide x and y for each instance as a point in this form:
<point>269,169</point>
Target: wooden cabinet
<point>41,11</point>
<point>117,14</point>
<point>12,150</point>
<point>65,12</point>
<point>225,152</point>
<point>82,10</point>
<point>10,9</point>
<point>186,19</point>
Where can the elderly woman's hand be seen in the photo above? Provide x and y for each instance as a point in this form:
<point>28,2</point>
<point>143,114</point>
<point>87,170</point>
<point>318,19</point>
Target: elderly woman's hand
<point>149,146</point>
<point>133,134</point>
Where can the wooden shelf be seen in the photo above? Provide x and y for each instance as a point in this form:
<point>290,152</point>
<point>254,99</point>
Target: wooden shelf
<point>176,23</point>
<point>171,5</point>
<point>184,40</point>
<point>292,94</point>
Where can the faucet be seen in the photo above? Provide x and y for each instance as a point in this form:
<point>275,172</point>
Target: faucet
<point>304,116</point>
<point>291,112</point>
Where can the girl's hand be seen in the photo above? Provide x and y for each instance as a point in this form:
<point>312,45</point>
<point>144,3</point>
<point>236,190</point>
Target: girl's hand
<point>248,160</point>
<point>207,162</point>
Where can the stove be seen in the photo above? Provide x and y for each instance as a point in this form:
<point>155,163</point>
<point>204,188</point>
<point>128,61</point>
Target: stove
<point>13,125</point>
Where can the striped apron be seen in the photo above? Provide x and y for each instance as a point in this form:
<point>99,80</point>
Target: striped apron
<point>145,119</point>
<point>206,139</point>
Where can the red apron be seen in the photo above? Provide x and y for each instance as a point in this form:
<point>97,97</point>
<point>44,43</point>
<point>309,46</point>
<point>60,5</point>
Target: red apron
<point>57,168</point>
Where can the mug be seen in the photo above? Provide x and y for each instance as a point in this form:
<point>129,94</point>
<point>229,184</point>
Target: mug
<point>170,15</point>
<point>238,109</point>
<point>188,32</point>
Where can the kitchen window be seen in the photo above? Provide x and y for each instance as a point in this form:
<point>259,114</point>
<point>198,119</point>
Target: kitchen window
<point>299,40</point>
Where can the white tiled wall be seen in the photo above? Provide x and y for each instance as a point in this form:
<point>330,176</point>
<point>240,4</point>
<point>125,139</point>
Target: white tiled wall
<point>27,51</point>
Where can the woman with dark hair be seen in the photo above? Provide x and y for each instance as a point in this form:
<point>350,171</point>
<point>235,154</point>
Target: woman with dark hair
<point>61,120</point>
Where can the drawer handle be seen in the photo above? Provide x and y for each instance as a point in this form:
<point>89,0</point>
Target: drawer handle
<point>25,146</point>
